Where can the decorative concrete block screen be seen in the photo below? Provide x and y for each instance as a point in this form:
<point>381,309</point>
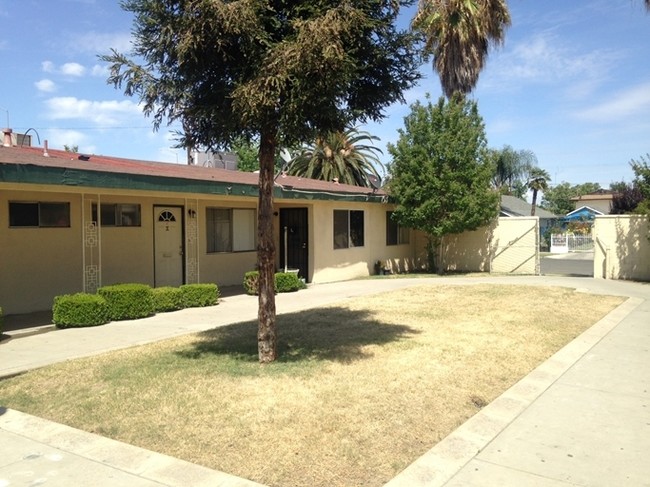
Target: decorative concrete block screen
<point>621,247</point>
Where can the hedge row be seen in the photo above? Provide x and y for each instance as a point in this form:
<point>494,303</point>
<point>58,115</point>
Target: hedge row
<point>285,282</point>
<point>128,302</point>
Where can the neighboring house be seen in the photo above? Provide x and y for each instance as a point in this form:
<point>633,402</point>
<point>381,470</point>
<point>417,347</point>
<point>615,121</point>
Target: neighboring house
<point>583,214</point>
<point>71,223</point>
<point>513,206</point>
<point>600,201</point>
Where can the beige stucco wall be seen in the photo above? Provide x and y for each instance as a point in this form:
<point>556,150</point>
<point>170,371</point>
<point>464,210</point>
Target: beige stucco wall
<point>331,264</point>
<point>38,263</point>
<point>621,247</point>
<point>508,245</point>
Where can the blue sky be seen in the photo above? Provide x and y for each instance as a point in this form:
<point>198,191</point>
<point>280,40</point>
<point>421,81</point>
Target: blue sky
<point>571,84</point>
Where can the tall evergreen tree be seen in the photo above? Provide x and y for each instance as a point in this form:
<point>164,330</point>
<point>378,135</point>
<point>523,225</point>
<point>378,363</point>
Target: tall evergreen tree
<point>278,71</point>
<point>440,173</point>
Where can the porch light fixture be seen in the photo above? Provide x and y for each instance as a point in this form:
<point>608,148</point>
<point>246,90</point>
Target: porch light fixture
<point>191,213</point>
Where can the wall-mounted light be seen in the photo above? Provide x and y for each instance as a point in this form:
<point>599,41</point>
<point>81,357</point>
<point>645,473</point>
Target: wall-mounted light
<point>191,213</point>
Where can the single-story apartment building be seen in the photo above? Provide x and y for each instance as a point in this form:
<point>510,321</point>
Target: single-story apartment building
<point>71,222</point>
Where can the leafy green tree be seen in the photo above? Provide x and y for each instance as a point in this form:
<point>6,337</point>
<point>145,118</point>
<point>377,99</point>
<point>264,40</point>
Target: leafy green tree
<point>248,159</point>
<point>557,199</point>
<point>346,157</point>
<point>71,148</point>
<point>440,172</point>
<point>459,34</point>
<point>510,169</point>
<point>538,180</point>
<point>641,168</point>
<point>275,71</point>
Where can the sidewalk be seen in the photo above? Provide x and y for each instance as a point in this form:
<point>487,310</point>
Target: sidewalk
<point>581,418</point>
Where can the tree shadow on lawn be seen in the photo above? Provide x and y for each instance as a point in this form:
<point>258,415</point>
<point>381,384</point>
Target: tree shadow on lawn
<point>328,334</point>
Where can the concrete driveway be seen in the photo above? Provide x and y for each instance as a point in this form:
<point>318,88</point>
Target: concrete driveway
<point>576,264</point>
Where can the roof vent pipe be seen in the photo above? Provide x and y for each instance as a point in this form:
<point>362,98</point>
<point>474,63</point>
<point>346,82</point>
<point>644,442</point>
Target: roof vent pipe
<point>6,139</point>
<point>45,153</point>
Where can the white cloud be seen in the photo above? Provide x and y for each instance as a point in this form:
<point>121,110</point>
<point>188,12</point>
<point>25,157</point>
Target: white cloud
<point>633,101</point>
<point>72,69</point>
<point>45,85</point>
<point>102,113</point>
<point>543,59</point>
<point>57,138</point>
<point>67,69</point>
<point>98,43</point>
<point>100,71</point>
<point>48,66</point>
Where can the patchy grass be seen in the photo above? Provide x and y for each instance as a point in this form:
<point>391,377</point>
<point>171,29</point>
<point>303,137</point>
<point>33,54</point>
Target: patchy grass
<point>361,390</point>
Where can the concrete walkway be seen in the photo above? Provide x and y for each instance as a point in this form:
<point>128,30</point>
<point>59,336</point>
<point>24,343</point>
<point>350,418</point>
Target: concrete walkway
<point>581,418</point>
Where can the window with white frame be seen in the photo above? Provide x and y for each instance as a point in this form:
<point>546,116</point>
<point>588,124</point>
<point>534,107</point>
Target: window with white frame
<point>230,229</point>
<point>348,229</point>
<point>39,214</point>
<point>395,233</point>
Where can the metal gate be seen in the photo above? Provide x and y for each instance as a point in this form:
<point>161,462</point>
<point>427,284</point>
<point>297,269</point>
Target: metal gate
<point>515,247</point>
<point>510,245</point>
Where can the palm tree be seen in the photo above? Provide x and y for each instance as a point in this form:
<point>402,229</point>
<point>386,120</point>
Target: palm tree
<point>458,34</point>
<point>511,168</point>
<point>344,157</point>
<point>538,180</point>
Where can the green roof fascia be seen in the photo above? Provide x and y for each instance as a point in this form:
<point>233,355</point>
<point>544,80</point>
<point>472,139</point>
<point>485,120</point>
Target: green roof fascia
<point>32,174</point>
<point>59,176</point>
<point>315,195</point>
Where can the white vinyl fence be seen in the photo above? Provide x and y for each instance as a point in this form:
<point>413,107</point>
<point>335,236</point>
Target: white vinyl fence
<point>561,243</point>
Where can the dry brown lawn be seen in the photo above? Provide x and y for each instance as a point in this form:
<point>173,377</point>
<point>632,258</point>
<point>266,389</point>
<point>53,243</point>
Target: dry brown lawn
<point>363,388</point>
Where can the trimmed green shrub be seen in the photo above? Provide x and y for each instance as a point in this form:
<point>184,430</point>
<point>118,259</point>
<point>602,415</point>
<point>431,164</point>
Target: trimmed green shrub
<point>81,309</point>
<point>167,298</point>
<point>284,282</point>
<point>287,282</point>
<point>197,295</point>
<point>128,301</point>
<point>252,282</point>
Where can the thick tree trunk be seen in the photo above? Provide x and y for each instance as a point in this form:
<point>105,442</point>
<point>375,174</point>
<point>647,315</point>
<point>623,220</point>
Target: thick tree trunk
<point>433,254</point>
<point>266,333</point>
